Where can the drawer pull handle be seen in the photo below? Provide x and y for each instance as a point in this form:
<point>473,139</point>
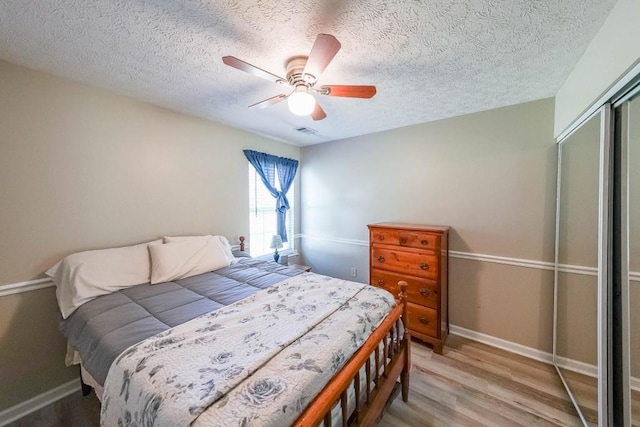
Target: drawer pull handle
<point>424,292</point>
<point>424,242</point>
<point>381,258</point>
<point>380,237</point>
<point>424,266</point>
<point>403,241</point>
<point>424,320</point>
<point>380,282</point>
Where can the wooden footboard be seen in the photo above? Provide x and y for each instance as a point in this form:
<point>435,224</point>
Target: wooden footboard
<point>370,402</point>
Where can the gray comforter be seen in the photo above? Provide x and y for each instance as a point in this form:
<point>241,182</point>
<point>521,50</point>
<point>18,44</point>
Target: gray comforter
<point>103,328</point>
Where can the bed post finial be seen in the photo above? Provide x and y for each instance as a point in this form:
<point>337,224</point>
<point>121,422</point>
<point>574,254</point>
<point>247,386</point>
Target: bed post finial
<point>242,243</point>
<point>403,295</point>
<point>403,299</point>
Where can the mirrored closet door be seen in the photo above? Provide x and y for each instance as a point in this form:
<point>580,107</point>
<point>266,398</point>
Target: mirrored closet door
<point>579,273</point>
<point>596,348</point>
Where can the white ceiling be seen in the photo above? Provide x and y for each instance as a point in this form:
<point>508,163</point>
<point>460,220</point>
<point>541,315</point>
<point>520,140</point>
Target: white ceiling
<point>430,59</point>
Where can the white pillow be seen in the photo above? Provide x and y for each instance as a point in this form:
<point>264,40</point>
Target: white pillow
<point>225,245</point>
<point>186,258</point>
<point>83,276</point>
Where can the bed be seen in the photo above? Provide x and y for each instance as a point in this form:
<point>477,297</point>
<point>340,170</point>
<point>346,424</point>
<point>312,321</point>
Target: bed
<point>169,321</point>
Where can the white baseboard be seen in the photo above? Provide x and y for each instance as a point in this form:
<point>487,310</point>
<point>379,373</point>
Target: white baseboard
<point>590,370</point>
<point>532,353</point>
<point>28,406</point>
<point>577,366</point>
<point>512,347</point>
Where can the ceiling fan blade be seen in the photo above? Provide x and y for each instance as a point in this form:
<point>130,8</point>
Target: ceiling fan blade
<point>349,91</point>
<point>268,102</point>
<point>251,69</point>
<point>318,112</point>
<point>324,49</point>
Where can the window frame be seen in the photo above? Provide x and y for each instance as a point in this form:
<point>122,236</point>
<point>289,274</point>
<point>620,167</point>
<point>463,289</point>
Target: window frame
<point>264,205</point>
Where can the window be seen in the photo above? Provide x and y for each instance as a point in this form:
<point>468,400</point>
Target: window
<point>262,216</point>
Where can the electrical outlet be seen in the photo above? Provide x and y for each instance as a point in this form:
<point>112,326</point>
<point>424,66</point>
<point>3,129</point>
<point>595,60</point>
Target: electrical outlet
<point>354,272</point>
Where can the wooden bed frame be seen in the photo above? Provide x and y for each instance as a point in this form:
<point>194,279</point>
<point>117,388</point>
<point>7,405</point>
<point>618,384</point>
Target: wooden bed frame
<point>396,362</point>
<point>380,379</point>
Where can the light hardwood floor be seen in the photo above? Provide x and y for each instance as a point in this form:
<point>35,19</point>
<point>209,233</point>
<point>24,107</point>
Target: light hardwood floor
<point>471,384</point>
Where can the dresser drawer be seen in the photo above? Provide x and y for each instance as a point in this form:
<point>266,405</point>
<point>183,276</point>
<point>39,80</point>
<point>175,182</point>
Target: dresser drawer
<point>420,264</point>
<point>420,291</point>
<point>406,238</point>
<point>422,319</point>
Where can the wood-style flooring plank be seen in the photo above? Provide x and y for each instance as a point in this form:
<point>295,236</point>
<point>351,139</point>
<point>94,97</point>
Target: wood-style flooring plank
<point>585,391</point>
<point>482,386</point>
<point>501,387</point>
<point>522,370</point>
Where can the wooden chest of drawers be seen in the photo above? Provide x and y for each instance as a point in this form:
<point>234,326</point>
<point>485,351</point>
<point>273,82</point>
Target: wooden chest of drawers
<point>419,255</point>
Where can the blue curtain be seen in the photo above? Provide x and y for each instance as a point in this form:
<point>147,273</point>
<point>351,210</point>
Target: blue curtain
<point>266,166</point>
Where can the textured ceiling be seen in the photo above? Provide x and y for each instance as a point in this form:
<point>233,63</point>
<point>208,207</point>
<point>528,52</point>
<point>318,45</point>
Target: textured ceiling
<point>430,59</point>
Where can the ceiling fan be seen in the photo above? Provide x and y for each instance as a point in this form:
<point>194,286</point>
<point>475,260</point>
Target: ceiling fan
<point>302,74</point>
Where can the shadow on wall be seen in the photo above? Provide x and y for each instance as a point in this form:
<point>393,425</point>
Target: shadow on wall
<point>336,259</point>
<point>463,289</point>
<point>32,350</point>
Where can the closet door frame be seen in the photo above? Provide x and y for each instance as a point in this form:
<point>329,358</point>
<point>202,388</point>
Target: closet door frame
<point>605,327</point>
<point>621,114</point>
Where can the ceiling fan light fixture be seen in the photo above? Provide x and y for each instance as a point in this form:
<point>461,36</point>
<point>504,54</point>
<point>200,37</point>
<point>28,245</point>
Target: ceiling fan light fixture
<point>301,102</point>
<point>302,76</point>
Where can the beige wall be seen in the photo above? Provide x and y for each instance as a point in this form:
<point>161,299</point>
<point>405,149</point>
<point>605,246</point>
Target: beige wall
<point>577,337</point>
<point>83,168</point>
<point>504,301</point>
<point>491,176</point>
<point>31,348</point>
<point>579,196</point>
<point>612,52</point>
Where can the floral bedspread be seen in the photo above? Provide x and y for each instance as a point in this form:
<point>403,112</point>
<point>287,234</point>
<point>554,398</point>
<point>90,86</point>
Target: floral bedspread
<point>257,362</point>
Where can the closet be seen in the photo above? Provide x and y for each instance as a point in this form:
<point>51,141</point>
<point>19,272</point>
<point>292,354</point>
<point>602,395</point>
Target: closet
<point>596,348</point>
